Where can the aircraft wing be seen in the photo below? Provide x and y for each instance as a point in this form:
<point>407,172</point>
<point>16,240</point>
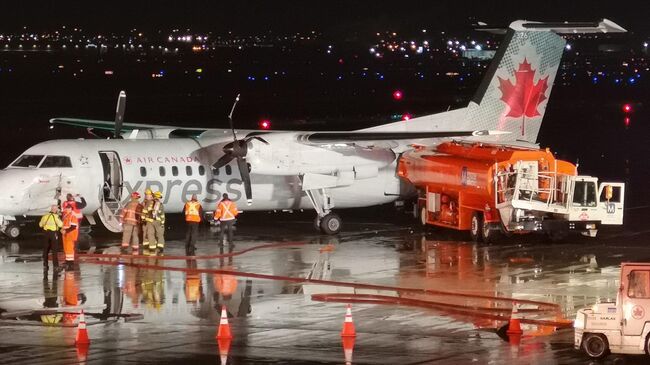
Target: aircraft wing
<point>126,127</point>
<point>358,136</point>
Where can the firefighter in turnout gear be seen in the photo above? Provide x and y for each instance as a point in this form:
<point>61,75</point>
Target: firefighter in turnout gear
<point>193,213</point>
<point>147,206</point>
<point>70,232</point>
<point>51,224</point>
<point>156,223</point>
<point>130,219</point>
<point>226,213</point>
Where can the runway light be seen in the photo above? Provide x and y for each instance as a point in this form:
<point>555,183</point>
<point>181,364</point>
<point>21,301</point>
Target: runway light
<point>627,108</point>
<point>265,124</point>
<point>398,94</point>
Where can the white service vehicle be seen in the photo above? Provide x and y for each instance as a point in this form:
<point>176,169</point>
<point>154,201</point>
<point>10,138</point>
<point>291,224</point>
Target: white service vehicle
<point>622,327</point>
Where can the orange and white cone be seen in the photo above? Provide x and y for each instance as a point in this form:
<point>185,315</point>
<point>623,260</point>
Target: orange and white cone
<point>82,332</point>
<point>348,348</point>
<point>224,348</point>
<point>348,325</point>
<point>514,325</point>
<point>82,353</point>
<point>224,327</point>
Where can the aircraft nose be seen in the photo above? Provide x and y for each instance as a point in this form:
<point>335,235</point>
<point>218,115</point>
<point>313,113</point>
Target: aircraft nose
<point>12,191</point>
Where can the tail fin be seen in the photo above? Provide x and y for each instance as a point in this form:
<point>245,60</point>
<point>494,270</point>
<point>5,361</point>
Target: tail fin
<point>513,95</point>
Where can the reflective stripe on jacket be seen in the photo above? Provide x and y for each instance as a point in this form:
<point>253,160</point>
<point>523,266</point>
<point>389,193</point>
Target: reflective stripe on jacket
<point>226,210</point>
<point>192,211</point>
<point>131,213</point>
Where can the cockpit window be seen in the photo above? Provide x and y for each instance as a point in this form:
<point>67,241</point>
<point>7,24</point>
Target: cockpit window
<point>27,161</point>
<point>56,161</point>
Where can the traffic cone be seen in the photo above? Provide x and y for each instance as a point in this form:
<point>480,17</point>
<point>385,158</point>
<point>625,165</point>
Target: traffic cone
<point>224,348</point>
<point>224,327</point>
<point>348,325</point>
<point>514,326</point>
<point>82,353</point>
<point>348,348</point>
<point>82,332</point>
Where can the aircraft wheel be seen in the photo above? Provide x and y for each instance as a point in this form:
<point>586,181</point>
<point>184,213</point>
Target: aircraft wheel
<point>476,230</point>
<point>12,231</point>
<point>595,345</point>
<point>331,224</point>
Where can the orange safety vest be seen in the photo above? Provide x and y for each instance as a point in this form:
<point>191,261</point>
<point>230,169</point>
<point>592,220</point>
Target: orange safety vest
<point>131,213</point>
<point>192,210</point>
<point>225,284</point>
<point>226,210</point>
<point>69,220</point>
<point>73,205</point>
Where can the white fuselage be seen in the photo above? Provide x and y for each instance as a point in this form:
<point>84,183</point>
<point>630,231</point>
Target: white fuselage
<point>180,167</point>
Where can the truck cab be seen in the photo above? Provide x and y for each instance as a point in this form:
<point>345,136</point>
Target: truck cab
<point>622,327</point>
<point>598,203</point>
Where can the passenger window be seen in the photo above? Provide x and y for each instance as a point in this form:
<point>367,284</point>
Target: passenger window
<point>201,170</point>
<point>56,161</point>
<point>161,170</point>
<point>175,170</point>
<point>188,170</point>
<point>228,170</point>
<point>215,172</point>
<point>616,195</point>
<point>143,171</point>
<point>639,284</point>
<point>27,161</point>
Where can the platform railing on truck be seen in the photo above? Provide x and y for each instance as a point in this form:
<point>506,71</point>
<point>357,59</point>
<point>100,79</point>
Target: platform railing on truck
<point>543,190</point>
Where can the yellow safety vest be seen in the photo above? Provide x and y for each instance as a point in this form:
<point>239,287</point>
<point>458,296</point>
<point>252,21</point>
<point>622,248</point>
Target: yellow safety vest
<point>50,222</point>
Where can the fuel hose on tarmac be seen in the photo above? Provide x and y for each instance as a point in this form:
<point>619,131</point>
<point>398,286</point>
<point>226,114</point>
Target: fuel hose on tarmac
<point>464,310</point>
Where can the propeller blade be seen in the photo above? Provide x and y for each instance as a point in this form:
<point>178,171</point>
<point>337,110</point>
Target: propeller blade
<point>257,138</point>
<point>232,110</point>
<point>119,113</point>
<point>223,161</point>
<point>246,178</point>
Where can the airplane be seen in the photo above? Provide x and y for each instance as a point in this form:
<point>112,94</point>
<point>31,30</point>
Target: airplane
<point>285,170</point>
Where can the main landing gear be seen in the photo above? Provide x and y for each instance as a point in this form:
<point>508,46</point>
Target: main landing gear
<point>325,221</point>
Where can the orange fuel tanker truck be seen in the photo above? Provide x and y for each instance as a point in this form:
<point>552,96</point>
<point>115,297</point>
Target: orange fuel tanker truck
<point>491,189</point>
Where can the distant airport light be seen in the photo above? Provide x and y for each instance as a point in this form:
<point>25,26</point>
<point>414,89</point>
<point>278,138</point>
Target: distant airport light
<point>398,95</point>
<point>627,108</point>
<point>627,122</point>
<point>406,117</point>
<point>265,124</point>
<point>568,47</point>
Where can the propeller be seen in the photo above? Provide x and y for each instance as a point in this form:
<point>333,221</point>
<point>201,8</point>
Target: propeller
<point>119,114</point>
<point>237,150</point>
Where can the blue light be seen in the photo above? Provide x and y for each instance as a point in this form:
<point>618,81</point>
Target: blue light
<point>381,77</point>
<point>594,79</point>
<point>462,78</point>
<point>617,81</point>
<point>631,80</point>
<point>340,77</point>
<point>266,78</point>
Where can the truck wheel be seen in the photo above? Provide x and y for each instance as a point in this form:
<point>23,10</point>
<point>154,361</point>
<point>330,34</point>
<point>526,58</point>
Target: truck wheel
<point>647,345</point>
<point>595,345</point>
<point>423,216</point>
<point>476,229</point>
<point>490,234</point>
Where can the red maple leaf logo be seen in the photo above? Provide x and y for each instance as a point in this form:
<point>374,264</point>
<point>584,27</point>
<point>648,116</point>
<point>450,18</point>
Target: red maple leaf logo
<point>524,96</point>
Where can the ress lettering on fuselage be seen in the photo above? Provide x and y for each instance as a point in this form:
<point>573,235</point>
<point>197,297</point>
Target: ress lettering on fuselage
<point>214,188</point>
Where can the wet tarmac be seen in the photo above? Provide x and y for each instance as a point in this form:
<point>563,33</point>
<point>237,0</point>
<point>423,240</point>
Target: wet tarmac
<point>418,296</point>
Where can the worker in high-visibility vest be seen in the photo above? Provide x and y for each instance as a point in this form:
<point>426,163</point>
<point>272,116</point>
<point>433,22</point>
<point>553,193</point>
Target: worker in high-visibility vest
<point>70,232</point>
<point>193,212</point>
<point>51,224</point>
<point>226,213</point>
<point>147,206</point>
<point>156,224</point>
<point>226,284</point>
<point>130,218</point>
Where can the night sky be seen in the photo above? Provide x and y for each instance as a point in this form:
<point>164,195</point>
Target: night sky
<point>257,15</point>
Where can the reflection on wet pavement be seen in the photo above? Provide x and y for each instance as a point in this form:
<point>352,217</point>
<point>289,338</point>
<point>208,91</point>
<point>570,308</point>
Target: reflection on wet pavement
<point>133,308</point>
